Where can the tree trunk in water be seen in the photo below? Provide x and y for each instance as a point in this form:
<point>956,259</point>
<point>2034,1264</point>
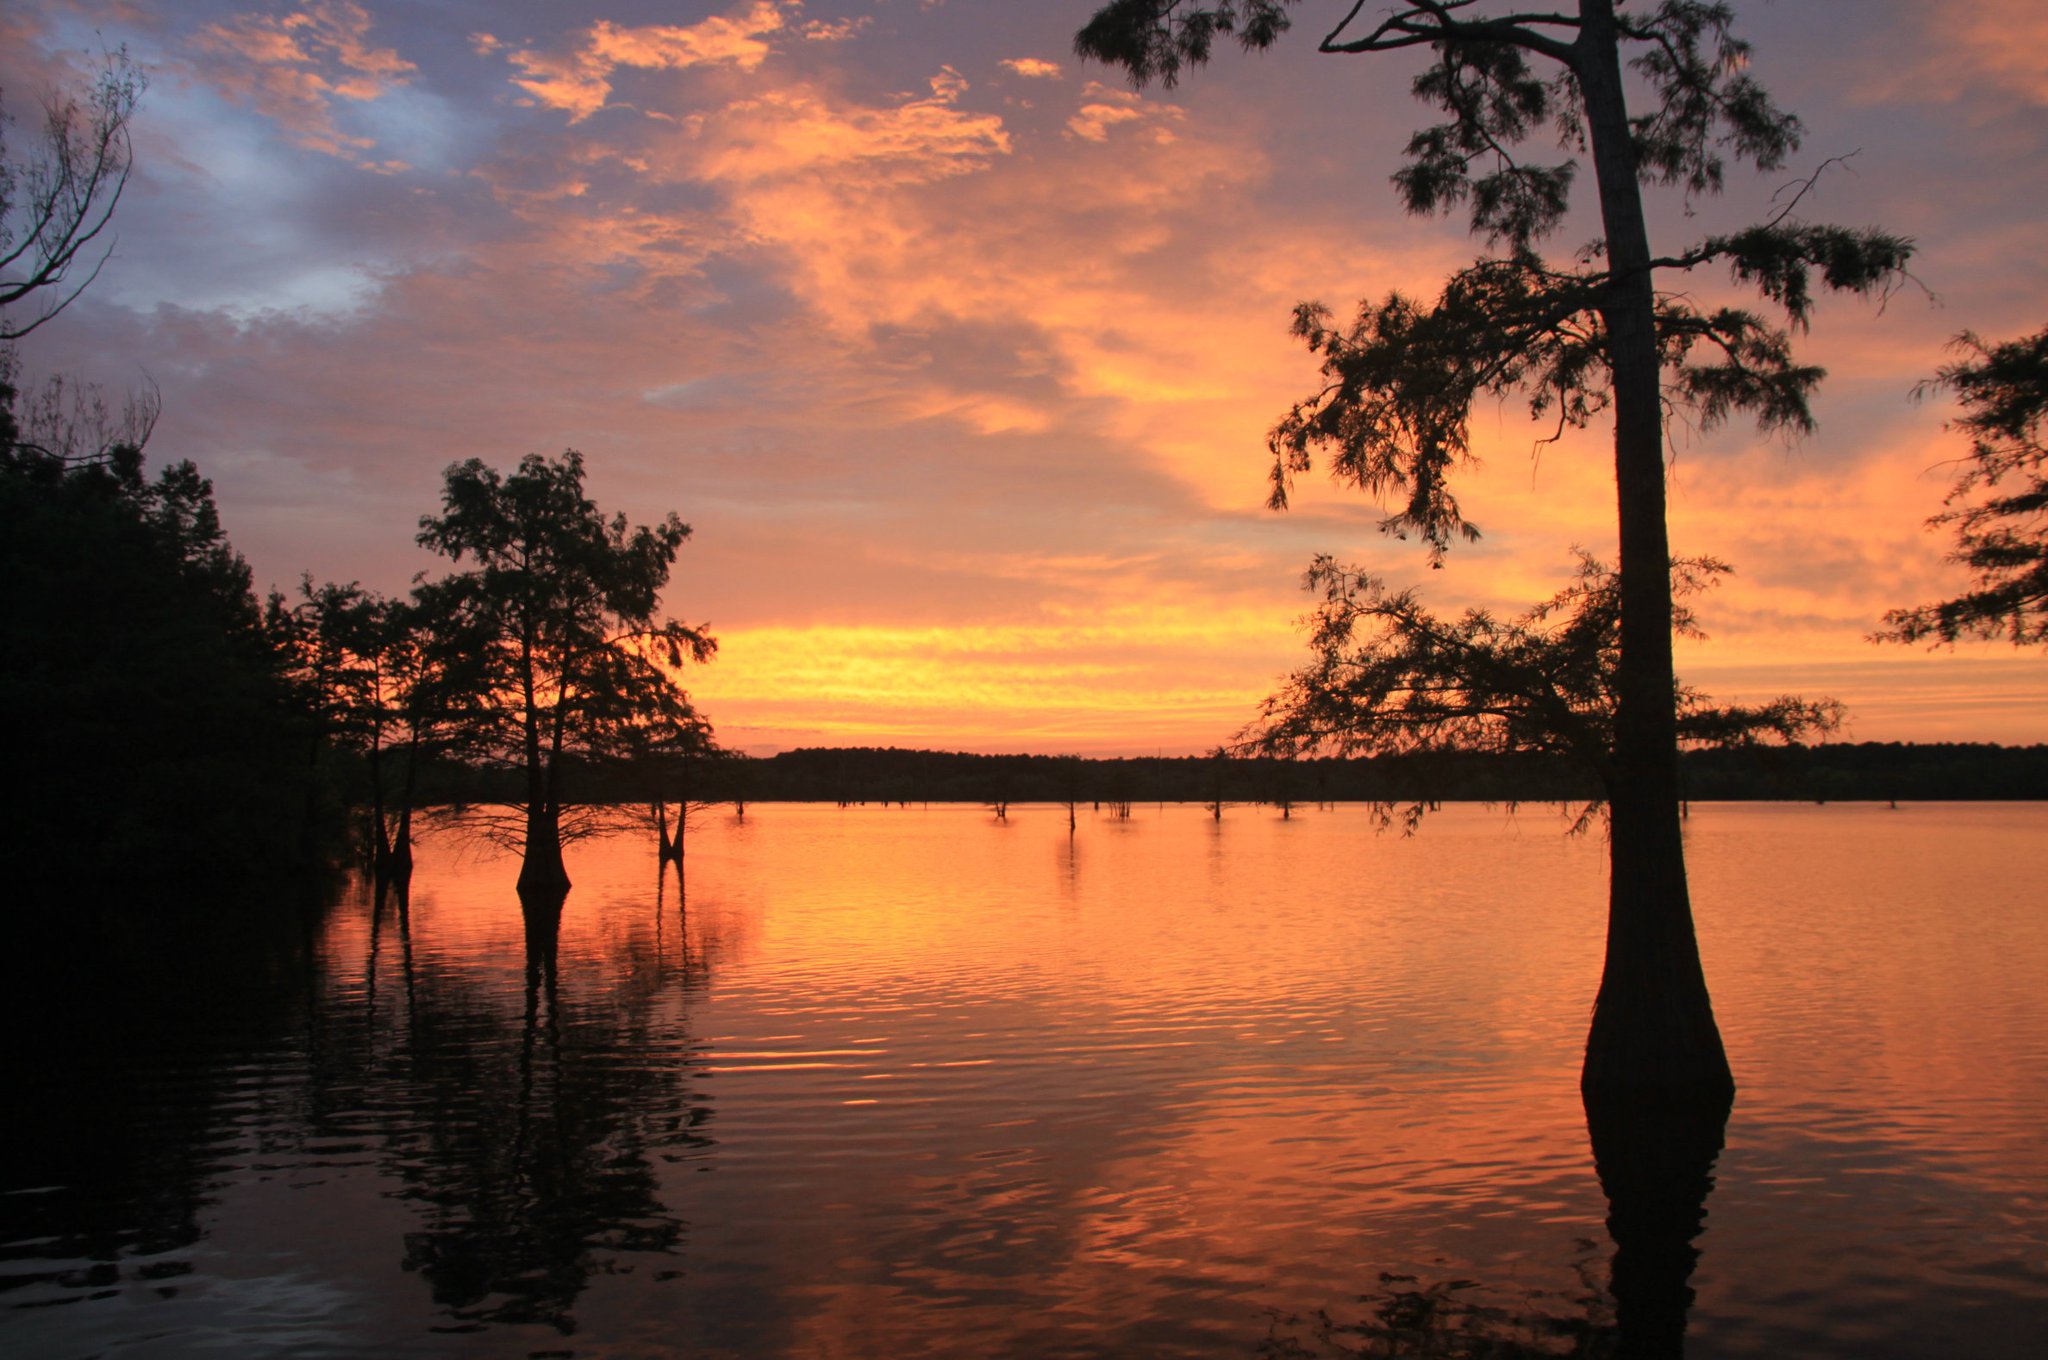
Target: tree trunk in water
<point>396,865</point>
<point>543,880</point>
<point>380,819</point>
<point>393,853</point>
<point>1653,1032</point>
<point>671,848</point>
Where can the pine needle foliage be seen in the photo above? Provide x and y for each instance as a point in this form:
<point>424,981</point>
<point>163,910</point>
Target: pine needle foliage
<point>1997,508</point>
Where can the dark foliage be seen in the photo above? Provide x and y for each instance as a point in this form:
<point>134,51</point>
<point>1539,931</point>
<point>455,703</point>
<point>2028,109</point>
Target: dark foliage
<point>1998,507</point>
<point>154,744</point>
<point>558,608</point>
<point>1791,771</point>
<point>1390,676</point>
<point>151,734</point>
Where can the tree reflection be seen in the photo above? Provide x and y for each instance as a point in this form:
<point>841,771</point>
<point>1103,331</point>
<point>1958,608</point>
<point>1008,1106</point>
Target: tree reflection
<point>1452,1320</point>
<point>535,1155</point>
<point>1656,1167</point>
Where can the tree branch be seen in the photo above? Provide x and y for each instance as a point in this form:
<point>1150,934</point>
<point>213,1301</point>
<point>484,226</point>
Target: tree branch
<point>1430,22</point>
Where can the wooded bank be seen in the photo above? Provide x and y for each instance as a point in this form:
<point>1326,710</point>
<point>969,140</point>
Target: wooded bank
<point>1848,771</point>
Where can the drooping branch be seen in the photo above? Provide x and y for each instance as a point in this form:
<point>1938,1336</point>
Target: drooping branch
<point>1702,100</point>
<point>1998,505</point>
<point>1393,416</point>
<point>1155,39</point>
<point>1389,677</point>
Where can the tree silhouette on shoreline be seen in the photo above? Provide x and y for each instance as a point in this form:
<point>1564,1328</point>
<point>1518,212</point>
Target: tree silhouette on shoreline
<point>1591,337</point>
<point>558,608</point>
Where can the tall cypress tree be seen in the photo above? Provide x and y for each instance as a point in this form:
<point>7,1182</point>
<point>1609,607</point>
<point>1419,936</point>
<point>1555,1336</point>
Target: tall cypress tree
<point>1655,95</point>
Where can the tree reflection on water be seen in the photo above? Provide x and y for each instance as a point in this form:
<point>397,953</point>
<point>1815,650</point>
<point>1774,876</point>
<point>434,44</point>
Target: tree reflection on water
<point>510,1118</point>
<point>1656,1167</point>
<point>534,1162</point>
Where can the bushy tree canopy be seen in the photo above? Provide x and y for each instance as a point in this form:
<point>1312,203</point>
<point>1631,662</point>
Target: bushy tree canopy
<point>558,606</point>
<point>150,733</point>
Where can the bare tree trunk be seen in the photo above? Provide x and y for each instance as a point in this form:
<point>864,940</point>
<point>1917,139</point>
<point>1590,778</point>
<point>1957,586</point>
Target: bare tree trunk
<point>398,866</point>
<point>670,847</point>
<point>1653,1023</point>
<point>543,879</point>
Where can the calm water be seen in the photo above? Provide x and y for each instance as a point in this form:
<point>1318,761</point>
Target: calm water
<point>906,1082</point>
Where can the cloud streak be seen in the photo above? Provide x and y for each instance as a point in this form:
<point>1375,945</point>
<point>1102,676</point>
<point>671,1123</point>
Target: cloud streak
<point>578,82</point>
<point>300,67</point>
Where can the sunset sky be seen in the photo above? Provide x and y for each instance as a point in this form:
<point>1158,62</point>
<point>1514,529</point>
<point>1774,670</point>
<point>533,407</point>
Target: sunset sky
<point>959,355</point>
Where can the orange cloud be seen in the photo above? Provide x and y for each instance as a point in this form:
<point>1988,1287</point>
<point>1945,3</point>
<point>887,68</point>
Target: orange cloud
<point>1032,68</point>
<point>579,82</point>
<point>796,132</point>
<point>1106,108</point>
<point>902,222</point>
<point>294,67</point>
<point>2003,43</point>
<point>880,342</point>
<point>835,30</point>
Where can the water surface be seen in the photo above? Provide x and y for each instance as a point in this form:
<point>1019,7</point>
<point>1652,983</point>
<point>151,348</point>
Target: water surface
<point>916,1082</point>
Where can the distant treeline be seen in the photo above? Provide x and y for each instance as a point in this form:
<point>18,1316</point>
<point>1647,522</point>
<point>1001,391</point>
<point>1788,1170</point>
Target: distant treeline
<point>1847,772</point>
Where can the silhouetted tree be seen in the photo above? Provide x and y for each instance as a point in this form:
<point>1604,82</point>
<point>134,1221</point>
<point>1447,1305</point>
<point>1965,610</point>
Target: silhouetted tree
<point>560,606</point>
<point>425,683</point>
<point>1389,676</point>
<point>386,680</point>
<point>670,762</point>
<point>1998,507</point>
<point>147,725</point>
<point>326,640</point>
<point>1071,777</point>
<point>149,731</point>
<point>1584,337</point>
<point>71,424</point>
<point>1280,781</point>
<point>57,201</point>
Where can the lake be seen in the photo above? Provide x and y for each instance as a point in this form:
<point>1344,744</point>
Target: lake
<point>904,1082</point>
